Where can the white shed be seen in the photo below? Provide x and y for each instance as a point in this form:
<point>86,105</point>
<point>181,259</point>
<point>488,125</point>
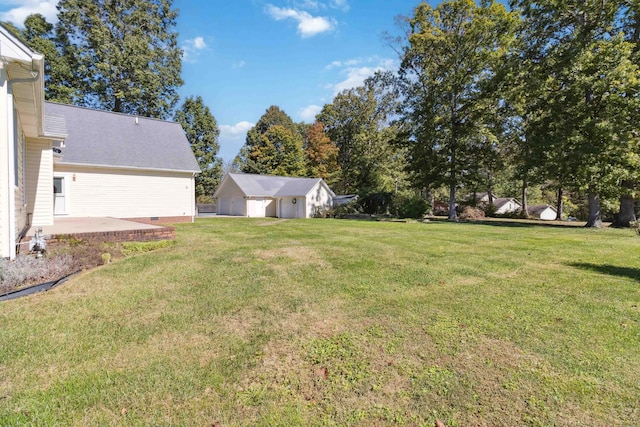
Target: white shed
<point>261,196</point>
<point>544,212</point>
<point>506,205</point>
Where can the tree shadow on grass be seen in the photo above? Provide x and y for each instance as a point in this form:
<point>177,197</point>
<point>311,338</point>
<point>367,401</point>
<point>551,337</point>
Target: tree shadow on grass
<point>612,270</point>
<point>509,222</point>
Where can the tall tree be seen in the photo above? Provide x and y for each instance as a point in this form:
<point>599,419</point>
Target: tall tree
<point>38,34</point>
<point>273,146</point>
<point>589,93</point>
<point>448,61</point>
<point>202,133</point>
<point>322,154</point>
<point>359,122</point>
<point>126,52</point>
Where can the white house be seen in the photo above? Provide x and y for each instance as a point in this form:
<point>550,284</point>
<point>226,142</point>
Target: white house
<point>122,166</point>
<point>506,205</point>
<point>272,196</point>
<point>58,160</point>
<point>544,212</point>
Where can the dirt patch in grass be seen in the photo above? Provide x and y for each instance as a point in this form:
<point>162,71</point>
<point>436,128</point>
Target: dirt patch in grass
<point>296,255</point>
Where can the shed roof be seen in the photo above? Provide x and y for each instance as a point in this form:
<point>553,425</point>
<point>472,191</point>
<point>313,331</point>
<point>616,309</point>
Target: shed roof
<point>107,139</point>
<point>538,209</point>
<point>501,201</point>
<point>274,186</point>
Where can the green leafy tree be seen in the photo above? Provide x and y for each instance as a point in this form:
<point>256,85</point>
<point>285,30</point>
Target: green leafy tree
<point>589,97</point>
<point>358,121</point>
<point>202,133</point>
<point>448,64</point>
<point>125,54</point>
<point>38,34</point>
<point>273,146</point>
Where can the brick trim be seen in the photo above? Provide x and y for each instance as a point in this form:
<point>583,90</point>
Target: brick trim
<point>160,220</point>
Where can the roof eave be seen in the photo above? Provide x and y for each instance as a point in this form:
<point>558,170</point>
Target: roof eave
<point>137,168</point>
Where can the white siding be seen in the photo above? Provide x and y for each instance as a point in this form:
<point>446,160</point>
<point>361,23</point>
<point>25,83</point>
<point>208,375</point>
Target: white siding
<point>40,182</point>
<point>288,209</point>
<point>119,193</point>
<point>510,206</point>
<point>5,245</point>
<point>318,198</point>
<point>230,199</point>
<point>548,214</point>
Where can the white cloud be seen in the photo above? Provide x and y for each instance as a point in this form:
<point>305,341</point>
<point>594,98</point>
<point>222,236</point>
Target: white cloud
<point>198,43</point>
<point>308,25</point>
<point>192,47</point>
<point>24,8</point>
<point>340,64</point>
<point>232,138</point>
<point>308,114</point>
<point>239,130</point>
<point>343,5</point>
<point>354,75</point>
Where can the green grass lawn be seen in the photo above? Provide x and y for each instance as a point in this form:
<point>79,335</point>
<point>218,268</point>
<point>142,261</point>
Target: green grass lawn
<point>330,322</point>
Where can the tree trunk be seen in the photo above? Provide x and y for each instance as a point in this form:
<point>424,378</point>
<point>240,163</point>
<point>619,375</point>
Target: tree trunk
<point>559,205</point>
<point>595,216</point>
<point>525,185</point>
<point>453,215</point>
<point>627,209</point>
<point>432,201</point>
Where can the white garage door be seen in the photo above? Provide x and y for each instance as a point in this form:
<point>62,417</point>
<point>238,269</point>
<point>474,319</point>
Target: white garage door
<point>237,206</point>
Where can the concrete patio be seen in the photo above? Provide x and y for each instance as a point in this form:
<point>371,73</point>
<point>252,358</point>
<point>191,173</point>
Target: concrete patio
<point>90,225</point>
<point>98,229</point>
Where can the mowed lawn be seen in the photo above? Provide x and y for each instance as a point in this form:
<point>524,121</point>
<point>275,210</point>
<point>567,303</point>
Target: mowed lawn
<point>335,322</point>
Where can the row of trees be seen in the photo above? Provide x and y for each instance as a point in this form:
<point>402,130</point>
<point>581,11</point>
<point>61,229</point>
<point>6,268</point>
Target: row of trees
<point>543,94</point>
<point>548,87</point>
<point>123,56</point>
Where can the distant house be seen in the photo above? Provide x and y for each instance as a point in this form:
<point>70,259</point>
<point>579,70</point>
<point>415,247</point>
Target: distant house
<point>480,198</point>
<point>59,160</point>
<point>506,205</point>
<point>272,196</point>
<point>544,212</point>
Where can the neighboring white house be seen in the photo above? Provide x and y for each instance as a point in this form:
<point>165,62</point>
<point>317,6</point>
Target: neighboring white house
<point>272,196</point>
<point>544,212</point>
<point>59,160</point>
<point>506,205</point>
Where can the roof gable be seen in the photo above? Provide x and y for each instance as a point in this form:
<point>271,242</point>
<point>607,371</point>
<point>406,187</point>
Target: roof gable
<point>13,48</point>
<point>107,139</point>
<point>274,186</point>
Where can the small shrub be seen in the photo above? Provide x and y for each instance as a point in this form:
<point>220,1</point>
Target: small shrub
<point>376,203</point>
<point>106,258</point>
<point>410,207</point>
<point>470,214</point>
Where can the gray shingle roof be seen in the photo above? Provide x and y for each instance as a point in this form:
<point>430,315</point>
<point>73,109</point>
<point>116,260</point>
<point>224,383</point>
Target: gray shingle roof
<point>103,138</point>
<point>273,186</point>
<point>538,209</point>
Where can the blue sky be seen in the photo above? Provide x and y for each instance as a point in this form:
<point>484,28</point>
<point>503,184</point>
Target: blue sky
<point>242,56</point>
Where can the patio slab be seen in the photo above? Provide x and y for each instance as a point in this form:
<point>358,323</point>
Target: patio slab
<point>90,225</point>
